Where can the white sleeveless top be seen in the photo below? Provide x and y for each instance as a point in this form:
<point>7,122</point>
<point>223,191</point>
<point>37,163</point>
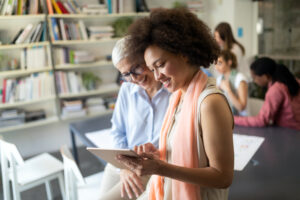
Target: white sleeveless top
<point>206,193</point>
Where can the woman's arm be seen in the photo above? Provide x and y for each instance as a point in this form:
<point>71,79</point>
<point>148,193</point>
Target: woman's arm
<point>218,145</point>
<point>267,113</point>
<point>217,137</point>
<point>239,101</point>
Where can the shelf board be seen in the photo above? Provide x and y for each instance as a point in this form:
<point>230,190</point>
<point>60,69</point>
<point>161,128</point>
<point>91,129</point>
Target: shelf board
<point>90,16</point>
<point>87,116</point>
<point>30,124</point>
<point>22,17</point>
<point>102,63</point>
<point>21,46</point>
<point>23,72</point>
<point>75,42</point>
<point>24,103</point>
<point>280,56</point>
<point>104,89</point>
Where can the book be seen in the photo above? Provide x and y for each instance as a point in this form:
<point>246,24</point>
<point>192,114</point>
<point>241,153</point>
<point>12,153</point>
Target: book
<point>62,29</point>
<point>56,7</point>
<point>24,34</point>
<point>55,29</point>
<point>62,8</point>
<point>49,6</point>
<point>16,36</point>
<point>83,30</point>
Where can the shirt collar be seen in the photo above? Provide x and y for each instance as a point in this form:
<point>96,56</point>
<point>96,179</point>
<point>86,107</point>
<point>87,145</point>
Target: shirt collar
<point>136,88</point>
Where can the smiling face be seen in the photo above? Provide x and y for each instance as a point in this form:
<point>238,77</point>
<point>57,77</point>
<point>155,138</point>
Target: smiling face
<point>146,79</point>
<point>171,70</point>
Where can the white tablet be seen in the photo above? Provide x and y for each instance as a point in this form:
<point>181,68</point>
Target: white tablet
<point>109,155</point>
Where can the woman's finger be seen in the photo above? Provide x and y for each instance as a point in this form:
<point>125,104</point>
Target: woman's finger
<point>133,186</point>
<point>137,181</point>
<point>128,190</point>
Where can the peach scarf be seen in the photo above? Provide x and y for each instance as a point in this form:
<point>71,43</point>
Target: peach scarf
<point>186,153</point>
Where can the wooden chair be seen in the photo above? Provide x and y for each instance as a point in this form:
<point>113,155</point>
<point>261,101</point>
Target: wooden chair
<point>77,187</point>
<point>24,175</point>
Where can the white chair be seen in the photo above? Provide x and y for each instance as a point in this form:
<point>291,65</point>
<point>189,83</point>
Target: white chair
<point>27,174</point>
<point>76,186</point>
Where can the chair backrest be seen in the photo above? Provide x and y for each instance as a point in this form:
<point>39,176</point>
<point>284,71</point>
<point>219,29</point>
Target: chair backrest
<point>73,176</point>
<point>10,157</point>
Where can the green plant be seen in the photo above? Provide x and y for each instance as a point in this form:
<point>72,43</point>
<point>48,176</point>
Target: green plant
<point>178,4</point>
<point>121,26</point>
<point>90,80</point>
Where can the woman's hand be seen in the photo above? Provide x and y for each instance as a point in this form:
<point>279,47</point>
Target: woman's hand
<point>147,148</point>
<point>225,85</point>
<point>131,183</point>
<point>147,164</point>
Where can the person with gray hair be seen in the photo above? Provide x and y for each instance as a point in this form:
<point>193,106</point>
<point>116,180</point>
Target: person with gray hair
<point>137,119</point>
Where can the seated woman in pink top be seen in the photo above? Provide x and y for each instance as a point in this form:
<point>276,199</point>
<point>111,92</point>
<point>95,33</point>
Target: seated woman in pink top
<point>282,100</point>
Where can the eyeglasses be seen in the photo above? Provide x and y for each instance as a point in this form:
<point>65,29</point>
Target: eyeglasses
<point>135,71</point>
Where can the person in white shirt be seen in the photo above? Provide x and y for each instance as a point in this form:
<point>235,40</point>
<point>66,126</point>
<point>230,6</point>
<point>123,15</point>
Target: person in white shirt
<point>224,37</point>
<point>232,82</point>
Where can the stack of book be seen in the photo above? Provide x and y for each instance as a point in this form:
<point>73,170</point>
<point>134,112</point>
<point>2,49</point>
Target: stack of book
<point>68,30</point>
<point>63,7</point>
<point>35,86</point>
<point>94,9</point>
<point>12,117</point>
<point>21,7</point>
<point>95,105</point>
<point>73,108</point>
<point>28,58</point>
<point>99,32</point>
<point>121,6</point>
<point>31,33</point>
<point>69,82</point>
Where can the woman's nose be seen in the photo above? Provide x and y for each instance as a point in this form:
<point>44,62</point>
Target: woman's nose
<point>157,75</point>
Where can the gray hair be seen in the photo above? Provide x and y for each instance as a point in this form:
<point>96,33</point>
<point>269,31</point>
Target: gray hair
<point>119,51</point>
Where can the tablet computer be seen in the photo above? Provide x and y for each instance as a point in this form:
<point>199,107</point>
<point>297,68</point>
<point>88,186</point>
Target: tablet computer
<point>109,155</point>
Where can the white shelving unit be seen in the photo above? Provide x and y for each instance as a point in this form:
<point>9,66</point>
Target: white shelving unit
<point>9,27</point>
<point>48,120</point>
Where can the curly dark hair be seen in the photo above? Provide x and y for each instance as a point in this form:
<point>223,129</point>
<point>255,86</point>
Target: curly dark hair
<point>174,30</point>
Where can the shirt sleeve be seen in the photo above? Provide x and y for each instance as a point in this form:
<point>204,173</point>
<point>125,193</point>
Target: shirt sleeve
<point>118,130</point>
<point>267,114</point>
<point>239,78</point>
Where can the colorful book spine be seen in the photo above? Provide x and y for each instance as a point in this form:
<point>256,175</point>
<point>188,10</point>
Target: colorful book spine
<point>56,7</point>
<point>50,8</point>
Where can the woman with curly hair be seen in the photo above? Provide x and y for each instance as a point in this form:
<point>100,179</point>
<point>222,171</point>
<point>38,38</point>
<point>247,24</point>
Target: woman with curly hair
<point>195,155</point>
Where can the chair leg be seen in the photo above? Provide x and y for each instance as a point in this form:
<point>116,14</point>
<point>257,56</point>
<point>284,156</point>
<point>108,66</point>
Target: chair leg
<point>6,187</point>
<point>16,191</point>
<point>62,186</point>
<point>48,190</point>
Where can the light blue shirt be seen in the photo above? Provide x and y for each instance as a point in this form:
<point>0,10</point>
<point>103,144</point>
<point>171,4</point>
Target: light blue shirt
<point>137,119</point>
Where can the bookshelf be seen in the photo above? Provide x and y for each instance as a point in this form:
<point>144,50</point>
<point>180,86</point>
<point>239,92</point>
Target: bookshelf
<point>28,84</point>
<point>100,65</point>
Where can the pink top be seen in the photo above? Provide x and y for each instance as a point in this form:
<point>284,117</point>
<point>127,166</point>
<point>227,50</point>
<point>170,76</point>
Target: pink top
<point>279,108</point>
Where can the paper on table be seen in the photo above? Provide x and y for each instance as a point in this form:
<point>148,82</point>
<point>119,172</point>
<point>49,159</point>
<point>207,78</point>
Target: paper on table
<point>244,148</point>
<point>101,138</point>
